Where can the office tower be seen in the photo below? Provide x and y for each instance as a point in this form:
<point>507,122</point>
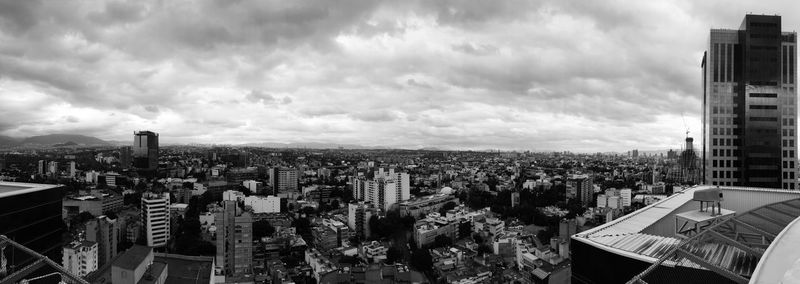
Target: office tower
<point>283,180</point>
<point>749,105</point>
<point>30,214</point>
<point>125,159</point>
<point>80,257</point>
<point>41,167</point>
<point>145,150</point>
<point>580,187</point>
<point>234,240</point>
<point>103,231</point>
<point>72,169</point>
<point>155,218</point>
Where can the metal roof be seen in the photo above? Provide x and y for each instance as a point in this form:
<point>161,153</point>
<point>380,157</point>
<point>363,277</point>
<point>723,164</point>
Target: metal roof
<point>16,188</point>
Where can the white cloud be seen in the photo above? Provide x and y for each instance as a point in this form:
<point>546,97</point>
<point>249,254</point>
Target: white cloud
<point>541,75</point>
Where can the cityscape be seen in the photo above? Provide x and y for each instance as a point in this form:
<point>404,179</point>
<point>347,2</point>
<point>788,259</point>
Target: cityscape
<point>219,172</point>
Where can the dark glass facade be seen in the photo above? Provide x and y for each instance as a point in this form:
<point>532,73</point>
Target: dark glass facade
<point>749,105</point>
<point>34,220</point>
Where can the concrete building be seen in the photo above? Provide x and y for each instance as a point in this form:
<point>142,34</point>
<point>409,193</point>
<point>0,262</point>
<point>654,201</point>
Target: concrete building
<point>384,190</point>
<point>262,204</point>
<point>284,180</point>
<point>139,265</point>
<point>233,195</point>
<point>625,196</point>
<point>750,105</point>
<point>580,187</point>
<point>358,215</point>
<point>234,241</point>
<point>104,231</point>
<point>96,203</point>
<point>145,150</point>
<point>155,218</point>
<point>426,230</point>
<point>424,205</point>
<point>80,257</point>
<point>252,185</point>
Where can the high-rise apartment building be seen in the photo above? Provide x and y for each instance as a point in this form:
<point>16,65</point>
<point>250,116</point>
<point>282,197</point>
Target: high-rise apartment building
<point>283,180</point>
<point>358,215</point>
<point>750,105</point>
<point>145,150</point>
<point>103,231</point>
<point>155,218</point>
<point>80,257</point>
<point>384,190</point>
<point>580,187</point>
<point>234,240</point>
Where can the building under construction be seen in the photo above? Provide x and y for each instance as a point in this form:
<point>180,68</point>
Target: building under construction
<point>686,169</point>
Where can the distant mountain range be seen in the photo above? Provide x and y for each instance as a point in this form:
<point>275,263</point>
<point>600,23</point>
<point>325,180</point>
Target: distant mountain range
<point>54,140</point>
<point>311,145</point>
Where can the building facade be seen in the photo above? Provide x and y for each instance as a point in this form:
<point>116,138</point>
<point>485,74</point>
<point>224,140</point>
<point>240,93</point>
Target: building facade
<point>80,257</point>
<point>155,218</point>
<point>103,231</point>
<point>234,240</point>
<point>283,180</point>
<point>30,214</point>
<point>145,150</point>
<point>750,105</point>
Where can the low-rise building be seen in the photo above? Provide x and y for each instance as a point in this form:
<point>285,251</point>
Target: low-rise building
<point>80,257</point>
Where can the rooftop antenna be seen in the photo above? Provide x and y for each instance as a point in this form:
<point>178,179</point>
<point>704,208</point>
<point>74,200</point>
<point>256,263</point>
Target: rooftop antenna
<point>684,125</point>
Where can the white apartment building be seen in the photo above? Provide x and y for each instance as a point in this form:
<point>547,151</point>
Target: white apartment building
<point>155,218</point>
<point>80,257</point>
<point>262,204</point>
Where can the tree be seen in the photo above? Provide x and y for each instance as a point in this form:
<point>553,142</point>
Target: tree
<point>446,207</point>
<point>394,254</point>
<point>262,228</point>
<point>422,260</point>
<point>442,241</point>
<point>484,249</point>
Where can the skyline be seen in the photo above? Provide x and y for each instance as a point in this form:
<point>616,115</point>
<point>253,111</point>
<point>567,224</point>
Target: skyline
<point>460,76</point>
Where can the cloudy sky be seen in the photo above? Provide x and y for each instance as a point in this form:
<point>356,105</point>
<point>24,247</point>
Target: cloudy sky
<point>538,75</point>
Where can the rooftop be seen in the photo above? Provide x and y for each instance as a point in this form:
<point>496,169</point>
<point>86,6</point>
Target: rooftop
<point>187,269</point>
<point>731,247</point>
<point>132,257</point>
<point>16,188</point>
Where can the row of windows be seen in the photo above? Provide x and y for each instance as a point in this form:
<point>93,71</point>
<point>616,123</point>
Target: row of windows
<point>726,163</point>
<point>787,132</point>
<point>788,164</point>
<point>726,174</point>
<point>765,25</point>
<point>787,121</point>
<point>788,175</point>
<point>725,142</point>
<point>788,185</point>
<point>788,153</point>
<point>722,110</point>
<point>725,131</point>
<point>788,143</point>
<point>724,121</point>
<point>726,183</point>
<point>763,107</point>
<point>763,118</point>
<point>725,153</point>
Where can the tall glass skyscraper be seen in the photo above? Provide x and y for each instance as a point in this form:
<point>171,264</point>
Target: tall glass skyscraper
<point>145,150</point>
<point>750,105</point>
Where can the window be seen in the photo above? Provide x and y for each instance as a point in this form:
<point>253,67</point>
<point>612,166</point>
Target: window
<point>714,174</point>
<point>714,163</point>
<point>763,118</point>
<point>714,141</point>
<point>763,107</point>
<point>763,95</point>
